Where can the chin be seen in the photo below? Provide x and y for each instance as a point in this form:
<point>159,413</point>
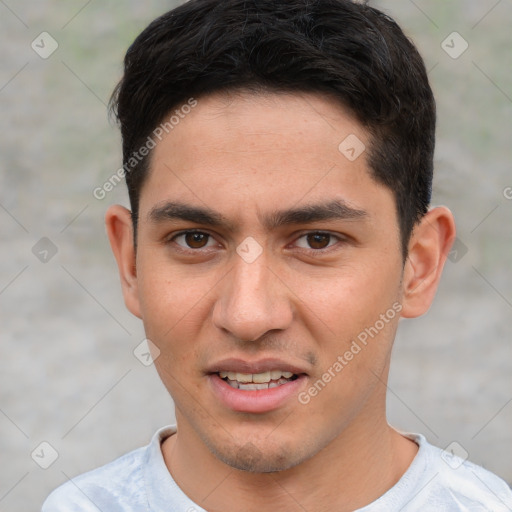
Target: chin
<point>267,459</point>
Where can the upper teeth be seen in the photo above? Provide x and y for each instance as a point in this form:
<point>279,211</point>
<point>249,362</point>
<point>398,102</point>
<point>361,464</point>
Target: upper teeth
<point>258,378</point>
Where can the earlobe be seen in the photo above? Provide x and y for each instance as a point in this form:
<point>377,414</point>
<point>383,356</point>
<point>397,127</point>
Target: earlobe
<point>429,247</point>
<point>119,228</point>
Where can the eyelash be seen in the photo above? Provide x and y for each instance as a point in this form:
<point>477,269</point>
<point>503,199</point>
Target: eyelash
<point>311,250</point>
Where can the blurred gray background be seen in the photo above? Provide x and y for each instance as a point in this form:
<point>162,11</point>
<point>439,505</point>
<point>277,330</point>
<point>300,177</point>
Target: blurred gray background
<point>68,373</point>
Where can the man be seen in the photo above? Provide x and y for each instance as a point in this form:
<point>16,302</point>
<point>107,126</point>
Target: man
<point>278,158</point>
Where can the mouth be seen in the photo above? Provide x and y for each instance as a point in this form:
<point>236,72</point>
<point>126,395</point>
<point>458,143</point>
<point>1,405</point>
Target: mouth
<point>256,381</point>
<point>256,387</point>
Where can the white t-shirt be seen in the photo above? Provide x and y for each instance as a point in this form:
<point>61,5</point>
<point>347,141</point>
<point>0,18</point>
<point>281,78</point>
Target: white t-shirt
<point>140,482</point>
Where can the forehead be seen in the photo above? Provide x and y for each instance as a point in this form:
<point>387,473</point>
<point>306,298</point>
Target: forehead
<point>273,122</point>
<point>258,152</point>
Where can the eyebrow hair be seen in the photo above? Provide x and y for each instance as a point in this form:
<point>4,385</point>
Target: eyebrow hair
<point>332,210</point>
<point>180,211</point>
<point>337,209</point>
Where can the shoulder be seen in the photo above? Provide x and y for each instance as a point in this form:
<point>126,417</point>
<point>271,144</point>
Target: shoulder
<point>465,485</point>
<point>102,488</point>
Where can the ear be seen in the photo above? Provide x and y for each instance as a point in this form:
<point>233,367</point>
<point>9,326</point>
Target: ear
<point>119,226</point>
<point>429,247</point>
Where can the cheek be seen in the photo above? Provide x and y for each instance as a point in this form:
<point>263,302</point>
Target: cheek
<point>353,298</point>
<point>353,317</point>
<point>170,304</point>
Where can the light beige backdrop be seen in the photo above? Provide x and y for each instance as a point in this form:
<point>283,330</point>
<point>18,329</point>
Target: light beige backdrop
<point>69,377</point>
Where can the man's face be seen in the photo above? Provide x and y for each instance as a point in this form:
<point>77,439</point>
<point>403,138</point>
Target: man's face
<point>295,253</point>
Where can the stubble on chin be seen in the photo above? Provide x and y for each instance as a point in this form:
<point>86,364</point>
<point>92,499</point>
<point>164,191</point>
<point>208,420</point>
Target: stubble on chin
<point>250,458</point>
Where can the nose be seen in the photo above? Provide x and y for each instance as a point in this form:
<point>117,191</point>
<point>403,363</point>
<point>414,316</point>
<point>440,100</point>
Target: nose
<point>253,301</point>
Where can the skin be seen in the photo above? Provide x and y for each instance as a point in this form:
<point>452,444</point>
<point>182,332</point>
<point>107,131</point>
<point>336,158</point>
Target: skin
<point>303,301</point>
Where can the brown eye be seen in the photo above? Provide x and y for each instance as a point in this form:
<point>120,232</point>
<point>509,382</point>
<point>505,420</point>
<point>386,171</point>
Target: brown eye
<point>196,240</point>
<point>193,240</point>
<point>318,240</point>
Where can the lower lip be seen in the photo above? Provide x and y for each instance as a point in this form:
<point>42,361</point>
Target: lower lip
<point>254,400</point>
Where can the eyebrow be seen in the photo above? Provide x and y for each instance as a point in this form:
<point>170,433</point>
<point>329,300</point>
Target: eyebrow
<point>332,210</point>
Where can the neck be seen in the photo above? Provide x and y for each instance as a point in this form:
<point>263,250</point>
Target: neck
<point>355,469</point>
